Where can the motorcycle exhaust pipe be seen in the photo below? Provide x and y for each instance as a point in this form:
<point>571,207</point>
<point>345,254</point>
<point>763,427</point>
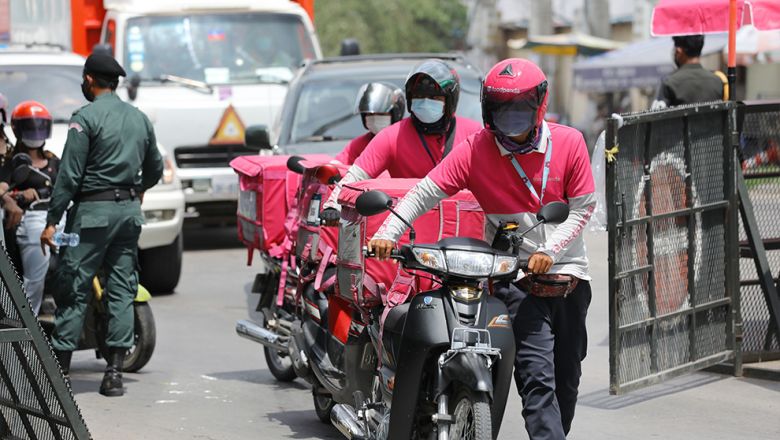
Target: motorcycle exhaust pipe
<point>345,420</point>
<point>249,330</point>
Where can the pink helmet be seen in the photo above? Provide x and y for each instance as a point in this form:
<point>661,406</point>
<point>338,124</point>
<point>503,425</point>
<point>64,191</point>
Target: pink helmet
<point>514,101</point>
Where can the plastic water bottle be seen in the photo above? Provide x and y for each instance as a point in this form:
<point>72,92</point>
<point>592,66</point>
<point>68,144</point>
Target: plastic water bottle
<point>62,239</point>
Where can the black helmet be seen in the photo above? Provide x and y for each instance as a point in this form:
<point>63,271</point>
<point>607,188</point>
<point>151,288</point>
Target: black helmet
<point>434,78</point>
<point>377,97</point>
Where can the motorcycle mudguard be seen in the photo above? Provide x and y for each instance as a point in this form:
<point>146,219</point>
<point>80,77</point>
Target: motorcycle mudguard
<point>143,295</point>
<point>502,336</point>
<point>425,331</point>
<point>471,370</point>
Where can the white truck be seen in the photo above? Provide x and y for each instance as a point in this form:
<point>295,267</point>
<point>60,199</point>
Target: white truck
<point>53,77</point>
<point>203,71</point>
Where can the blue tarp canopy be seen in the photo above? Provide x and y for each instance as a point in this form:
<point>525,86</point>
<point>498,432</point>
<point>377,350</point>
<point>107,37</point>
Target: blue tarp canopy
<point>641,64</point>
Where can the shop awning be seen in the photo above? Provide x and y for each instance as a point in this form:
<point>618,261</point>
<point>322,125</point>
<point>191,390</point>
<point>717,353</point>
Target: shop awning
<point>641,64</point>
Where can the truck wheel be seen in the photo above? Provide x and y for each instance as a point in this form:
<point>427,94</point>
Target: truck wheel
<point>161,267</point>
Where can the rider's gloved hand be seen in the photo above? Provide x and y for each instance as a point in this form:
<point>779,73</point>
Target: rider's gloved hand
<point>330,216</point>
<point>382,248</point>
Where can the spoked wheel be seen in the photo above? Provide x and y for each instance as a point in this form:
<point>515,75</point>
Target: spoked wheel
<point>323,404</point>
<point>471,411</point>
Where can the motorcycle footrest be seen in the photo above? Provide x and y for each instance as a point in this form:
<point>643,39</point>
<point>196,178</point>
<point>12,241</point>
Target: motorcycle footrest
<point>442,418</point>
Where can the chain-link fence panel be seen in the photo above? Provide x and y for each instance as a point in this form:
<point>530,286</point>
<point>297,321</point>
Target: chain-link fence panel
<point>35,401</point>
<point>671,217</point>
<point>759,142</point>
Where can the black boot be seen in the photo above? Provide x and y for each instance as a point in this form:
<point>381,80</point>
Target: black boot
<point>112,380</point>
<point>63,357</point>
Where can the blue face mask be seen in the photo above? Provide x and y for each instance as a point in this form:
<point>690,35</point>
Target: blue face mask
<point>427,110</point>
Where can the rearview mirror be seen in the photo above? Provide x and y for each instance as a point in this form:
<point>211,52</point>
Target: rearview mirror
<point>372,203</point>
<point>294,164</point>
<point>132,86</point>
<point>103,49</point>
<point>256,138</point>
<point>554,212</point>
<point>328,174</point>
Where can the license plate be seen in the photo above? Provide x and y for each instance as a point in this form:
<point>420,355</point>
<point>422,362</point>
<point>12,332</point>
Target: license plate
<point>224,185</point>
<point>201,185</point>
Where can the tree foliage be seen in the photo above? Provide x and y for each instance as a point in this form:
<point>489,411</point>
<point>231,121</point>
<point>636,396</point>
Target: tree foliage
<point>386,26</point>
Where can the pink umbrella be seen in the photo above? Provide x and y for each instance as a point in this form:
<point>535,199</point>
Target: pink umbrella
<point>687,17</point>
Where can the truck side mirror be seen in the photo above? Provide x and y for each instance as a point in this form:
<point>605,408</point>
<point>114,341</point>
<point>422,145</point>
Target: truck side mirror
<point>103,49</point>
<point>256,138</point>
<point>132,86</point>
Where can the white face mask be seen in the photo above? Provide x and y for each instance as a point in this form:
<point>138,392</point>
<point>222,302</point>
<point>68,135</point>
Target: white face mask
<point>33,144</point>
<point>375,123</point>
<point>427,110</point>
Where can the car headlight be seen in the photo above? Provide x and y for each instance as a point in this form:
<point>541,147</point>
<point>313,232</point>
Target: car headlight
<point>430,258</point>
<point>472,264</point>
<point>504,265</point>
<point>169,172</point>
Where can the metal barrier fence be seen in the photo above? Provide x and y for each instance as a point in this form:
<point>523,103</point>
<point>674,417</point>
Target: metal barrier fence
<point>673,262</point>
<point>35,401</point>
<point>759,142</point>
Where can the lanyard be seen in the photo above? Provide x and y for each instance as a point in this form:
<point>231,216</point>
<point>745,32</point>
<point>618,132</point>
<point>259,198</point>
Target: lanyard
<point>447,144</point>
<point>545,173</point>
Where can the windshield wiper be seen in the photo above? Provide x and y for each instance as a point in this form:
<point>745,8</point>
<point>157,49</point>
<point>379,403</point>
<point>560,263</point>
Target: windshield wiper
<point>323,138</point>
<point>327,126</point>
<point>193,84</point>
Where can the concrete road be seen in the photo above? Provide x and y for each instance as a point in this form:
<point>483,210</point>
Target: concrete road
<point>204,382</point>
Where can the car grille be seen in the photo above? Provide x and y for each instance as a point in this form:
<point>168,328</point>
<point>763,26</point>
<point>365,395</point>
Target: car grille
<point>209,156</point>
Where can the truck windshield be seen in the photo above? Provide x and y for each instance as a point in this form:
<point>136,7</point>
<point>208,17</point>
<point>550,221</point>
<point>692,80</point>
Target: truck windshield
<point>217,48</point>
<point>56,87</point>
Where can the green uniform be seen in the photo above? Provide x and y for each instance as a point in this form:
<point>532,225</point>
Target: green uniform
<point>110,145</point>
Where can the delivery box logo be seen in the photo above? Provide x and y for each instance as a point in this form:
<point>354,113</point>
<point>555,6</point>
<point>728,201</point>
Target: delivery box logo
<point>230,129</point>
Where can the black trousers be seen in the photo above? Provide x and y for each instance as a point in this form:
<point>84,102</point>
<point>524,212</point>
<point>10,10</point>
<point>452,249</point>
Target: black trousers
<point>551,341</point>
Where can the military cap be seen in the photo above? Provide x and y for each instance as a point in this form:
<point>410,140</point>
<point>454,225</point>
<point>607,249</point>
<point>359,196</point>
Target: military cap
<point>103,65</point>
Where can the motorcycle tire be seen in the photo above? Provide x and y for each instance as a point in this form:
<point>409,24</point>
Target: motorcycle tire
<point>145,339</point>
<point>323,405</point>
<point>471,411</point>
<point>282,370</point>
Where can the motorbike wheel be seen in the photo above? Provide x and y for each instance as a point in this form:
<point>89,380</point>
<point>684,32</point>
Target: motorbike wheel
<point>323,404</point>
<point>144,336</point>
<point>471,411</point>
<point>280,366</point>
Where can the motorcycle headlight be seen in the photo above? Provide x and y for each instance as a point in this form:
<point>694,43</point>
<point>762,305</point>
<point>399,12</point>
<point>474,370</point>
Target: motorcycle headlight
<point>504,265</point>
<point>430,258</point>
<point>471,264</point>
<point>466,293</point>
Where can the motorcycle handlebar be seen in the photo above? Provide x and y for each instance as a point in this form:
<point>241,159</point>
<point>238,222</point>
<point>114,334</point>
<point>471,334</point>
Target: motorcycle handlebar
<point>395,254</point>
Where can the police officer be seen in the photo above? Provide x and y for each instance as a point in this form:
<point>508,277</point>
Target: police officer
<point>110,159</point>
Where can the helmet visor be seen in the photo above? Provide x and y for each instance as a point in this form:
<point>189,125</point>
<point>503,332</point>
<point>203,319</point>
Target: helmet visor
<point>32,129</point>
<point>515,115</point>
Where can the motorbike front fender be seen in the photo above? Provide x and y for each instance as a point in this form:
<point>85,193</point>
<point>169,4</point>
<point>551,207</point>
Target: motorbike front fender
<point>471,370</point>
<point>142,295</point>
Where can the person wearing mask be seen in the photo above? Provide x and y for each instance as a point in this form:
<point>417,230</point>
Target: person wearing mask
<point>379,105</point>
<point>515,165</point>
<point>690,83</point>
<point>415,145</point>
<point>110,159</point>
<point>31,124</point>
